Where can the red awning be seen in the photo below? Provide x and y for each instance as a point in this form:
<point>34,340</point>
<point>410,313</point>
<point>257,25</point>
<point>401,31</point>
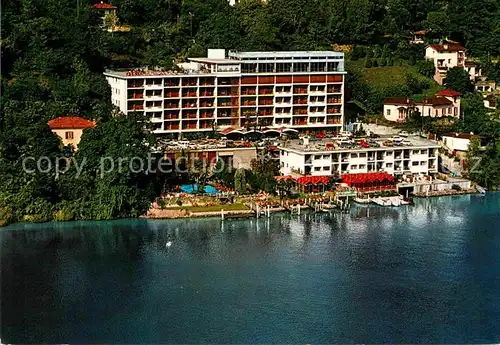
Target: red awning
<point>314,180</point>
<point>367,178</point>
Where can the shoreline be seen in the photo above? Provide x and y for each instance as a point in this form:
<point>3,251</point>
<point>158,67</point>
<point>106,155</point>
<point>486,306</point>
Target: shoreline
<point>163,214</point>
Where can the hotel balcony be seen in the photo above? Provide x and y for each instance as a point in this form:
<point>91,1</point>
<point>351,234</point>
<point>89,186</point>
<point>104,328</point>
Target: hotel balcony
<point>300,90</point>
<point>333,121</point>
<point>334,100</point>
<point>189,94</point>
<point>189,125</point>
<point>135,84</point>
<point>206,115</point>
<point>136,107</point>
<point>248,102</point>
<point>189,115</point>
<point>334,90</point>
<point>266,102</point>
<point>248,92</point>
<point>172,82</point>
<point>172,105</point>
<point>153,86</point>
<point>171,116</point>
<point>153,96</point>
<point>171,127</point>
<point>207,81</point>
<point>206,93</point>
<point>300,112</point>
<point>136,96</point>
<point>335,110</point>
<point>206,104</point>
<point>171,94</point>
<point>266,91</point>
<point>189,82</point>
<point>189,105</point>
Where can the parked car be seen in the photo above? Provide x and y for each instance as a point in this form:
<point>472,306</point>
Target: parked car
<point>364,144</point>
<point>404,134</point>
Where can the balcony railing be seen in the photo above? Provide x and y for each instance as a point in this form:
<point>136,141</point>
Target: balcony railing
<point>136,107</point>
<point>136,96</point>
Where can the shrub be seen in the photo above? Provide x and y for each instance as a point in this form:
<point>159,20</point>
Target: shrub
<point>456,187</point>
<point>368,63</point>
<point>375,63</point>
<point>382,63</point>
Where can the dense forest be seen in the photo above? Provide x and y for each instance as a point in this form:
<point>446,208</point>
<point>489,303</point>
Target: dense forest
<point>54,53</point>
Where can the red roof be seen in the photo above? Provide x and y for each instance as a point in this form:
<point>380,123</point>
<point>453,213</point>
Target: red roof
<point>448,93</point>
<point>104,6</point>
<point>68,122</point>
<point>435,101</point>
<point>448,47</point>
<point>398,101</point>
<point>362,178</point>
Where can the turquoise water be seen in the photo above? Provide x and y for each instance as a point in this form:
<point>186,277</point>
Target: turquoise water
<point>429,273</point>
<point>192,188</point>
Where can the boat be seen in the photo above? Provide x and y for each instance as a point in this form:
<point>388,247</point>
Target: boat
<point>480,189</point>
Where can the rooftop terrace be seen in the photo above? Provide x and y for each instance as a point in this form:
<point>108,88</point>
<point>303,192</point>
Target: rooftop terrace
<point>339,144</point>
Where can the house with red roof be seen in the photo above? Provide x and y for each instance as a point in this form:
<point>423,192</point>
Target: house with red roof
<point>105,9</point>
<point>449,55</point>
<point>70,129</point>
<point>444,103</point>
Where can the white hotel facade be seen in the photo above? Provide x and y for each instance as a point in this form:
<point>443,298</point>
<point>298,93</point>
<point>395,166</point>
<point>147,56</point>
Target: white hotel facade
<point>300,90</point>
<point>299,158</point>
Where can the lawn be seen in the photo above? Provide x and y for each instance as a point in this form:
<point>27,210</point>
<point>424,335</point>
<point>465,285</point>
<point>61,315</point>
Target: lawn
<point>215,208</point>
<point>382,76</point>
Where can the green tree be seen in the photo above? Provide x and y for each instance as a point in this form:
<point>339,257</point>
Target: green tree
<point>240,183</point>
<point>458,79</point>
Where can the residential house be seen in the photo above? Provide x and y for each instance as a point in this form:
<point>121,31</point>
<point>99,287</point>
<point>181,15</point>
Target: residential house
<point>104,10</point>
<point>418,37</point>
<point>398,109</point>
<point>445,103</point>
<point>445,56</point>
<point>70,129</point>
<point>458,143</point>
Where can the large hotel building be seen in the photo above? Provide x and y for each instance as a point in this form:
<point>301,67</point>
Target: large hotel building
<point>297,89</point>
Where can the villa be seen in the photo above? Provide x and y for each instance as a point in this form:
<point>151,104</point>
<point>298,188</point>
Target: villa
<point>445,103</point>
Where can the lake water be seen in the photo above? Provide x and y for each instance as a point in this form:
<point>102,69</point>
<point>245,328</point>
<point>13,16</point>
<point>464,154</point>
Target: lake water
<point>428,273</point>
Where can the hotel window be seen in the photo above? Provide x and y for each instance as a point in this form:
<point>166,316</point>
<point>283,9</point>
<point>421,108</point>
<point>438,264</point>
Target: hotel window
<point>388,165</point>
<point>68,135</point>
<point>317,157</point>
<point>423,163</point>
<point>317,168</point>
<point>362,166</point>
<point>449,110</point>
<point>443,111</point>
<point>354,167</point>
<point>388,112</point>
<point>326,168</point>
<point>414,163</point>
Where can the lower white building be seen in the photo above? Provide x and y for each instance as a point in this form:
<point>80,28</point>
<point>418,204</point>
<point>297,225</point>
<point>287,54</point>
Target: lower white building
<point>325,157</point>
<point>458,142</point>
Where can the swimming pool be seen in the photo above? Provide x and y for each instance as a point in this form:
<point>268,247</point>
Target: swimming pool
<point>193,188</point>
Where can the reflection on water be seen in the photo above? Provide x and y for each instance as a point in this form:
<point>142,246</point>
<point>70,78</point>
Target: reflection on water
<point>425,273</point>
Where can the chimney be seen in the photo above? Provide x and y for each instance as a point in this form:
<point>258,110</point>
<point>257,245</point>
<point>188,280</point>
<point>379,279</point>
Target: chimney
<point>445,46</point>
